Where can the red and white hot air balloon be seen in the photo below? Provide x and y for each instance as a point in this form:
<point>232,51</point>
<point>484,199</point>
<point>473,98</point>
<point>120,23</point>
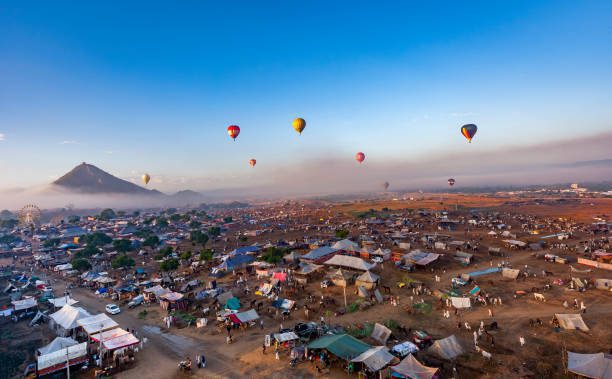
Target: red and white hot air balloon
<point>360,157</point>
<point>252,162</point>
<point>233,131</point>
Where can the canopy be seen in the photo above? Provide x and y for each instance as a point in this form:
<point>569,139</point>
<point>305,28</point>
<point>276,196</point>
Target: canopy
<point>283,337</point>
<point>24,304</point>
<point>157,290</point>
<point>55,361</point>
<point>244,317</point>
<point>349,262</point>
<point>61,301</point>
<point>97,323</point>
<point>409,367</point>
<point>108,335</point>
<point>57,344</point>
<point>597,366</point>
<point>120,342</point>
<point>447,348</point>
<point>341,345</point>
<point>421,258</point>
<point>68,316</point>
<point>510,273</point>
<point>571,321</point>
<point>375,358</point>
<point>172,296</point>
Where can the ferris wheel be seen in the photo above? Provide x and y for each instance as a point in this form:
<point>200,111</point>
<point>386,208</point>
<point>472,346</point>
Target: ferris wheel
<point>29,215</point>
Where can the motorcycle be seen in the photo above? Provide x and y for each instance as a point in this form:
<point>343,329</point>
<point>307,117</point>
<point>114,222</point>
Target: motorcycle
<point>184,366</point>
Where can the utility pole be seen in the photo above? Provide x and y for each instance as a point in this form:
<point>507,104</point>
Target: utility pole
<point>67,364</point>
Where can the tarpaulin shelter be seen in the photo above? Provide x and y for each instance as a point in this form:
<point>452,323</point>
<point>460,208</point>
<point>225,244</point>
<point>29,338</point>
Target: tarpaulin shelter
<point>420,258</point>
<point>572,321</point>
<point>343,346</point>
<point>353,263</point>
<point>56,360</point>
<point>346,245</point>
<point>340,278</point>
<point>236,262</point>
<point>598,366</point>
<point>172,296</point>
<point>284,337</point>
<point>381,333</point>
<point>368,280</point>
<point>282,276</point>
<point>57,344</point>
<point>375,358</point>
<point>97,323</point>
<point>283,303</point>
<point>232,303</point>
<point>510,273</point>
<point>460,302</point>
<point>411,368</point>
<point>244,317</point>
<point>447,348</point>
<point>474,274</point>
<point>23,304</point>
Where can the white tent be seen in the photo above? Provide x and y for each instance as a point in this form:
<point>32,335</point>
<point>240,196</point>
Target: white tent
<point>57,344</point>
<point>56,360</point>
<point>376,358</point>
<point>571,321</point>
<point>283,337</point>
<point>381,333</point>
<point>97,323</point>
<point>27,303</point>
<point>61,301</point>
<point>447,348</point>
<point>598,366</point>
<point>410,367</point>
<point>67,317</point>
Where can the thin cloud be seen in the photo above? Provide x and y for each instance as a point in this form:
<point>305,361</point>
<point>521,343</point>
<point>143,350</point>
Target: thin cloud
<point>2,138</point>
<point>69,142</point>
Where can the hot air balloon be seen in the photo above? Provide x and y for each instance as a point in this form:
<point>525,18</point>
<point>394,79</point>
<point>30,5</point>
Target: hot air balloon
<point>360,157</point>
<point>468,131</point>
<point>146,178</point>
<point>299,124</point>
<point>451,182</point>
<point>253,162</point>
<point>233,131</point>
<point>386,185</point>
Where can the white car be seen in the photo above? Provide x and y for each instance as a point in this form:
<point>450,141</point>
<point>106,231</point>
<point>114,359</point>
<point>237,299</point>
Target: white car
<point>377,260</point>
<point>112,309</point>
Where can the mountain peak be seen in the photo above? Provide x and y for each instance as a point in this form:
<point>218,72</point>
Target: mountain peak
<point>88,178</point>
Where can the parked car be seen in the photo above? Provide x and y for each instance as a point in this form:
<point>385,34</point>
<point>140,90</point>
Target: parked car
<point>421,339</point>
<point>136,301</point>
<point>112,309</point>
<point>378,260</point>
<point>403,349</point>
<point>307,330</point>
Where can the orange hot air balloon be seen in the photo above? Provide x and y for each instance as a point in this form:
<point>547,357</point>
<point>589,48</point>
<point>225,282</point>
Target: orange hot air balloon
<point>360,157</point>
<point>253,162</point>
<point>233,131</point>
<point>146,178</point>
<point>299,124</point>
<point>469,131</point>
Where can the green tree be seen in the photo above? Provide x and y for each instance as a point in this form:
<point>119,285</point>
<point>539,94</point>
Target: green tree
<point>198,237</point>
<point>122,245</point>
<point>151,241</point>
<point>9,224</point>
<point>214,231</point>
<point>96,239</point>
<point>175,217</point>
<point>273,255</point>
<point>342,233</point>
<point>122,261</point>
<point>8,239</point>
<point>52,242</point>
<point>107,214</point>
<point>74,219</point>
<point>161,222</point>
<point>206,255</point>
<point>228,219</point>
<point>169,265</point>
<point>6,214</point>
<point>195,224</point>
<point>80,264</point>
<point>87,252</point>
<point>186,255</point>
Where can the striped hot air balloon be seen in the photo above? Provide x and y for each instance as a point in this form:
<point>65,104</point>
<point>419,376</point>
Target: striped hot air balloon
<point>233,131</point>
<point>299,124</point>
<point>468,131</point>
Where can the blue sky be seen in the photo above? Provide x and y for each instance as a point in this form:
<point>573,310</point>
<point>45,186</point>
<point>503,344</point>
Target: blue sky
<point>152,87</point>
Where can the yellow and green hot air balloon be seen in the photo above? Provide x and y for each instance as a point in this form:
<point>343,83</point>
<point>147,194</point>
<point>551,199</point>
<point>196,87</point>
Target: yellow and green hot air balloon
<point>299,124</point>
